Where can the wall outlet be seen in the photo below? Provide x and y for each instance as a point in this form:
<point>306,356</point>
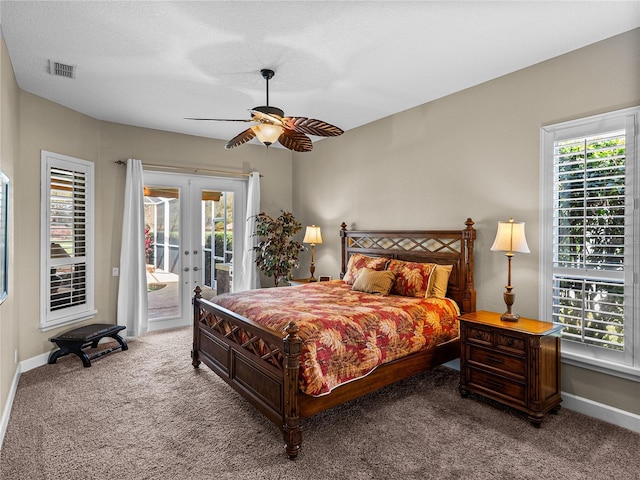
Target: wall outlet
<point>115,271</point>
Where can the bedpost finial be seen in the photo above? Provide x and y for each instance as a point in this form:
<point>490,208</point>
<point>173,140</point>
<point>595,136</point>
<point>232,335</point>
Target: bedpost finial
<point>292,329</point>
<point>469,223</point>
<point>343,226</point>
<point>198,291</point>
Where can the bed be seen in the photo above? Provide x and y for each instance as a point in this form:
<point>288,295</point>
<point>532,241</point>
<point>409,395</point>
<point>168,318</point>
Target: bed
<point>270,366</point>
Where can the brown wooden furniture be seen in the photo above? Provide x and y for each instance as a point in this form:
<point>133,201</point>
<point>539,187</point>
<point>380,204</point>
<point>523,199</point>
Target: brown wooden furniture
<point>270,380</point>
<point>515,363</point>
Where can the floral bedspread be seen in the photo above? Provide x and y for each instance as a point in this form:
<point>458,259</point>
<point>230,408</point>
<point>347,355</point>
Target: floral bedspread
<point>346,333</point>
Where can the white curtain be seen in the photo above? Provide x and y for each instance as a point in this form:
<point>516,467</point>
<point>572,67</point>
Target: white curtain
<point>132,290</point>
<point>247,276</point>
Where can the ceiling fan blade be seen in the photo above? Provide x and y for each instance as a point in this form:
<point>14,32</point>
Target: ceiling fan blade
<point>311,126</point>
<point>241,138</point>
<point>218,119</point>
<point>296,141</point>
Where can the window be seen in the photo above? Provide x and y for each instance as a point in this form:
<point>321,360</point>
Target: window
<point>590,238</point>
<point>66,279</point>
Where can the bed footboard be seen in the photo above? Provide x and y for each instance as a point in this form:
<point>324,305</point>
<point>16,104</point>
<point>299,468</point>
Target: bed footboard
<point>261,365</point>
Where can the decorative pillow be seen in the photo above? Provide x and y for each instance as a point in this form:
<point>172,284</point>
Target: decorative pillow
<point>440,281</point>
<point>357,262</point>
<point>374,281</point>
<point>412,278</point>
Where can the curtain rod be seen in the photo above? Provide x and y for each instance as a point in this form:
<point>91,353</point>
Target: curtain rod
<point>191,169</point>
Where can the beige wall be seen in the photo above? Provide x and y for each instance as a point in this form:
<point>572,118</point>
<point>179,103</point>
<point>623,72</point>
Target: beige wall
<point>45,126</point>
<point>472,154</point>
<point>8,161</point>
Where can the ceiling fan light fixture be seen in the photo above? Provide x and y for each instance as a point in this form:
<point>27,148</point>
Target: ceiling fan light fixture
<point>267,133</point>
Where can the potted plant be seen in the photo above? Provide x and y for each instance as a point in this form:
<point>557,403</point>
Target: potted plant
<point>277,252</point>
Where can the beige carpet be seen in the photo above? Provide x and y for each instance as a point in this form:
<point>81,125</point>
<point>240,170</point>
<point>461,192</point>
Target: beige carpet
<point>147,414</point>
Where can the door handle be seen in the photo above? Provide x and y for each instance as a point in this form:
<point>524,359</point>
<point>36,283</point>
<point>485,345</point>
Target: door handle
<point>195,269</point>
<point>186,269</point>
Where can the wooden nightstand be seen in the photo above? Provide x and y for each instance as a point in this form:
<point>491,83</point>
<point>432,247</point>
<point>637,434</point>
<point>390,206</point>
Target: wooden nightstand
<point>514,363</point>
<point>298,281</point>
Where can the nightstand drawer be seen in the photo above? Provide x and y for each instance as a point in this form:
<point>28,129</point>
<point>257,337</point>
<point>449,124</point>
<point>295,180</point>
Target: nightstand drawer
<point>479,336</point>
<point>508,388</point>
<point>509,343</point>
<point>489,338</point>
<point>498,360</point>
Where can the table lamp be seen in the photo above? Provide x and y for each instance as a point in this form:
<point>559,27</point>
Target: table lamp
<point>510,239</point>
<point>314,237</point>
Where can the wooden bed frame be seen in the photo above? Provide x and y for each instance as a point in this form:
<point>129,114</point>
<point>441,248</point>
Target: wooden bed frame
<point>263,365</point>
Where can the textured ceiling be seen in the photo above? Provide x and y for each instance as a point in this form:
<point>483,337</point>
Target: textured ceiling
<point>151,64</point>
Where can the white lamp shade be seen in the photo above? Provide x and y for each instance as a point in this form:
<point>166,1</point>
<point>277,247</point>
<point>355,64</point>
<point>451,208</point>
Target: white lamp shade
<point>312,235</point>
<point>510,238</point>
<point>267,133</point>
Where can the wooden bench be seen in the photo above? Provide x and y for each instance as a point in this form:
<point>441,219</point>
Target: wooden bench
<point>74,341</point>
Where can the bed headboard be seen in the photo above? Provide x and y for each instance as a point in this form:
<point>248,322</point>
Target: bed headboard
<point>446,247</point>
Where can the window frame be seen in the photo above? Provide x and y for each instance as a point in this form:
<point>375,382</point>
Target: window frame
<point>623,364</point>
<point>74,313</point>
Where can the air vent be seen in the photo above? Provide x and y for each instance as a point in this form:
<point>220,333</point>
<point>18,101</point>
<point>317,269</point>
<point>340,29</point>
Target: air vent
<point>62,69</point>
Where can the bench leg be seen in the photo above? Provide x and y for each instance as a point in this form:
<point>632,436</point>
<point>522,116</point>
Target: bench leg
<point>66,351</point>
<point>86,362</point>
<point>53,356</point>
<point>121,341</point>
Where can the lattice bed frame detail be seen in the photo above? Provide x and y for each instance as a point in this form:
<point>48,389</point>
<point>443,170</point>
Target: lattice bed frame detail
<point>447,247</point>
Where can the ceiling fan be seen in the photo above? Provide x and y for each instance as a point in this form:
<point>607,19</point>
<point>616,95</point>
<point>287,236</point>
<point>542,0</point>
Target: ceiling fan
<point>272,126</point>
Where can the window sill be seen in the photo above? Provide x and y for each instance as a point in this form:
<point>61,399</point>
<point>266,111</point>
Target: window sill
<point>602,366</point>
<point>68,320</point>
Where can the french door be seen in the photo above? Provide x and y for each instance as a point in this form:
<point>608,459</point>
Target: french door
<point>194,226</point>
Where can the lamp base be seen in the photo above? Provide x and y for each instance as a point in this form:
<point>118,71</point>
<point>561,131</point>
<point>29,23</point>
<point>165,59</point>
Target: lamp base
<point>509,299</point>
<point>509,317</point>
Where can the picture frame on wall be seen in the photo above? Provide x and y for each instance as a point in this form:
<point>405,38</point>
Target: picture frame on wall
<point>4,236</point>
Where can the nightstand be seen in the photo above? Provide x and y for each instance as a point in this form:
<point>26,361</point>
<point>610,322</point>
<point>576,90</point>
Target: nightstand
<point>514,363</point>
<point>298,281</point>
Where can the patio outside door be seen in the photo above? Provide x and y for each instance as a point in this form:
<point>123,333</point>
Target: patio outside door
<point>190,239</point>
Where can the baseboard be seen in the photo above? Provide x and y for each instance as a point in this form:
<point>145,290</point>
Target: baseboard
<point>22,367</point>
<point>4,421</point>
<point>606,413</point>
<point>34,362</point>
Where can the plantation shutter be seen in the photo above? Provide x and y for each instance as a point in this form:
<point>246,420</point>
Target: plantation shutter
<point>589,238</point>
<point>67,241</point>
